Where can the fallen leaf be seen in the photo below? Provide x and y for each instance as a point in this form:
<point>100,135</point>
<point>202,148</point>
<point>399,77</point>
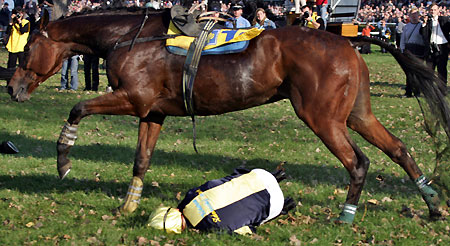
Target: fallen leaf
<point>379,178</point>
<point>29,224</point>
<point>373,201</point>
<point>92,240</point>
<point>294,241</point>
<point>141,241</point>
<point>38,225</point>
<point>338,191</point>
<point>153,242</point>
<point>106,217</point>
<point>257,237</point>
<point>386,199</point>
<point>155,184</point>
<point>178,196</point>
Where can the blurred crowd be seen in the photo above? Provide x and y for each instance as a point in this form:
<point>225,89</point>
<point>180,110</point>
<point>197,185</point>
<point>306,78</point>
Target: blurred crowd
<point>391,11</point>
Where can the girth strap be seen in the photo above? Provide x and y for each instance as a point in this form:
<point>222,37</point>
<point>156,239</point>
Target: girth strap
<point>190,71</point>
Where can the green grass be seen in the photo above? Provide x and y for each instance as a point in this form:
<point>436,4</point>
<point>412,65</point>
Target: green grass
<point>38,208</point>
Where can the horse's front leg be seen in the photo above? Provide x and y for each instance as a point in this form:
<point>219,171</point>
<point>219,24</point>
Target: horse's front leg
<point>115,103</point>
<point>149,129</point>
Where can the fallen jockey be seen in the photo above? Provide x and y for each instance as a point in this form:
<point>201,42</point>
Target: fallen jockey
<point>236,204</point>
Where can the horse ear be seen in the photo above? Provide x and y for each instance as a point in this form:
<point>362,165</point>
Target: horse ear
<point>44,20</point>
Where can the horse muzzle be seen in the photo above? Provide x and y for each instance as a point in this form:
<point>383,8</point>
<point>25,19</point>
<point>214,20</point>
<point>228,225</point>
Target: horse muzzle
<point>18,95</point>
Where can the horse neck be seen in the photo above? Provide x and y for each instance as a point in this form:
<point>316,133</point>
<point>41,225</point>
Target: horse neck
<point>97,34</point>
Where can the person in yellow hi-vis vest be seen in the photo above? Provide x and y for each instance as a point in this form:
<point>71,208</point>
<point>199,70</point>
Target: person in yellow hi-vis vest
<point>18,30</point>
<point>311,19</point>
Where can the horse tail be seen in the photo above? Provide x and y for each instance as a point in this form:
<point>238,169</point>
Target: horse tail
<point>421,78</point>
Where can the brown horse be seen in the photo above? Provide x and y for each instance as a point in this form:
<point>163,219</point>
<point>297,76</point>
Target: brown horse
<point>323,76</point>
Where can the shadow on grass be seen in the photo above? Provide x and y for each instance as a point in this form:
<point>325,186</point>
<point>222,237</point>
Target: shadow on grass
<point>309,175</point>
<point>386,84</point>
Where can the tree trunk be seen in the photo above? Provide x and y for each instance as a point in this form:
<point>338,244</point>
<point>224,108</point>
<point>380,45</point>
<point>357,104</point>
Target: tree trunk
<point>60,8</point>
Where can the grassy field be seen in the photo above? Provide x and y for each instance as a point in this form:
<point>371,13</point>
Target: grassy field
<point>38,208</point>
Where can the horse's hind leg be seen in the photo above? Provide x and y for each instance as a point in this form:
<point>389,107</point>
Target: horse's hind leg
<point>336,137</point>
<point>364,122</point>
<point>113,103</point>
<point>149,129</point>
<point>333,132</point>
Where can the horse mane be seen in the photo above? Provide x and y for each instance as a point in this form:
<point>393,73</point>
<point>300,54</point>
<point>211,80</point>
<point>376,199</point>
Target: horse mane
<point>114,10</point>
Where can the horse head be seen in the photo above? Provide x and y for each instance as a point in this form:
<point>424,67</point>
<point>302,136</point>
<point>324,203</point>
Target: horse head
<point>43,58</point>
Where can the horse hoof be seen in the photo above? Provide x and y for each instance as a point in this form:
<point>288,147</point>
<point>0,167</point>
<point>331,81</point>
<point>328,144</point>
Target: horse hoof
<point>65,174</point>
<point>435,215</point>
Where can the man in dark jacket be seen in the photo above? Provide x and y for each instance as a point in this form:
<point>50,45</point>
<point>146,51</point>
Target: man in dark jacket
<point>4,18</point>
<point>435,31</point>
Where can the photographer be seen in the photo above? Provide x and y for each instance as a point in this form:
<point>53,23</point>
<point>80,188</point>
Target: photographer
<point>18,31</point>
<point>310,19</point>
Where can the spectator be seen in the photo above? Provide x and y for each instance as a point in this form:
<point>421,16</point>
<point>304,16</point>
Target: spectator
<point>399,30</point>
<point>321,9</point>
<point>311,20</point>
<point>412,41</point>
<point>10,4</point>
<point>31,8</point>
<point>91,64</point>
<point>46,5</point>
<point>261,21</point>
<point>385,32</point>
<point>240,21</point>
<point>19,3</point>
<point>4,19</point>
<point>436,35</point>
<point>18,31</point>
<point>72,64</point>
<point>365,48</point>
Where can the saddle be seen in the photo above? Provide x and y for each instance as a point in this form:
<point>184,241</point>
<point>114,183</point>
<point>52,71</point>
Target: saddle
<point>186,21</point>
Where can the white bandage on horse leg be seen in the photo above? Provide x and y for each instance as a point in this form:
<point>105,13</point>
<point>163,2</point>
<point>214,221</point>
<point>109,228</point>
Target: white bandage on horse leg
<point>68,134</point>
<point>133,196</point>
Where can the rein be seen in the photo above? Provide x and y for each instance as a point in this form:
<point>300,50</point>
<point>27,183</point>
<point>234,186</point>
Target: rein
<point>143,40</point>
<point>140,29</point>
<point>136,38</point>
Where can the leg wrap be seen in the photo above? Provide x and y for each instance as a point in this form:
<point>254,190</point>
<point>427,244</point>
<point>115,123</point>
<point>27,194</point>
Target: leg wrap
<point>65,142</point>
<point>68,134</point>
<point>348,214</point>
<point>429,195</point>
<point>133,196</point>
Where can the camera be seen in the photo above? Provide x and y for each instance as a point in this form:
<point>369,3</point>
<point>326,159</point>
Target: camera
<point>17,16</point>
<point>306,15</point>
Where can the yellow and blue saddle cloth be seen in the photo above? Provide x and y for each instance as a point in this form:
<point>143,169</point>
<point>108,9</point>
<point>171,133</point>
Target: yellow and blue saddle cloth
<point>220,41</point>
